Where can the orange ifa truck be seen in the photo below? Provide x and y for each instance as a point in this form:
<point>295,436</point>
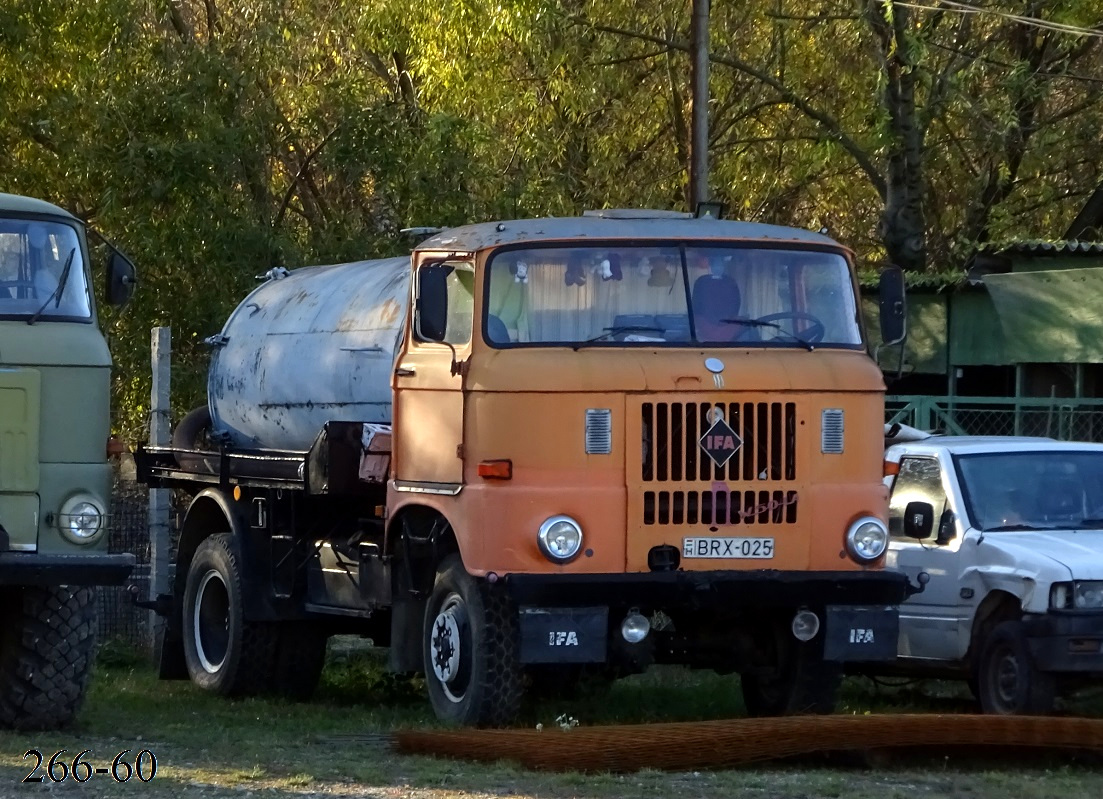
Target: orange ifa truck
<point>537,448</point>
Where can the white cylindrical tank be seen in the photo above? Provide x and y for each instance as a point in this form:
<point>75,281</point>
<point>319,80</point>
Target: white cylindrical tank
<point>308,346</point>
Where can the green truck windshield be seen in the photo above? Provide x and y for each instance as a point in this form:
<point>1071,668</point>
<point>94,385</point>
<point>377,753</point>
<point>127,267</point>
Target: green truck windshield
<point>42,273</point>
<point>643,296</point>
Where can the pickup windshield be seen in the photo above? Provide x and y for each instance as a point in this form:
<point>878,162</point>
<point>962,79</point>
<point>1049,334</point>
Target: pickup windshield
<point>42,274</point>
<point>624,296</point>
<point>1033,490</point>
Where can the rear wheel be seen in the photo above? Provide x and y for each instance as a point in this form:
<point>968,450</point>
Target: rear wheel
<point>469,648</point>
<point>47,645</point>
<point>225,653</point>
<point>300,658</point>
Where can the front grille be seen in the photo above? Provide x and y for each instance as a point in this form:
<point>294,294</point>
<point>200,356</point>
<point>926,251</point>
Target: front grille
<point>719,507</point>
<point>672,433</point>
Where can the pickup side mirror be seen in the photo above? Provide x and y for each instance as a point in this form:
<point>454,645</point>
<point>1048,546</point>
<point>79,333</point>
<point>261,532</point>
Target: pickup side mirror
<point>432,302</point>
<point>893,306</point>
<point>121,279</point>
<point>918,519</point>
<point>946,531</point>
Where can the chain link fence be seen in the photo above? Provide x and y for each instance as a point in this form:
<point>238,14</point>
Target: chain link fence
<point>1067,420</point>
<point>120,620</point>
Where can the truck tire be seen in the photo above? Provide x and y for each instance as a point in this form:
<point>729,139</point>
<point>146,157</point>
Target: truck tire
<point>300,658</point>
<point>469,647</point>
<point>1008,682</point>
<point>225,654</point>
<point>804,682</point>
<point>47,646</point>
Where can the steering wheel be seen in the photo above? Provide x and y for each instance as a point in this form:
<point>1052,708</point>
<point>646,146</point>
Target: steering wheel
<point>813,335</point>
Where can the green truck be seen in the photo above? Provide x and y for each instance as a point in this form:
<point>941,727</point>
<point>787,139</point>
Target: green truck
<point>55,477</point>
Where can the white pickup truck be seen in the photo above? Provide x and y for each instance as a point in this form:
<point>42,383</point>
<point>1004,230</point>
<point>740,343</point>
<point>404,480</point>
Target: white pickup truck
<point>1010,533</point>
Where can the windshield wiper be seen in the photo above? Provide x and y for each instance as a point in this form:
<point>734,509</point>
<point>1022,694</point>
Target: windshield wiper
<point>1010,528</point>
<point>1089,524</point>
<point>612,331</point>
<point>56,296</point>
<point>759,323</point>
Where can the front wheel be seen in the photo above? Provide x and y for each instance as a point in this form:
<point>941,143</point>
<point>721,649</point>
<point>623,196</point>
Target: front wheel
<point>469,646</point>
<point>47,644</point>
<point>1008,682</point>
<point>800,682</point>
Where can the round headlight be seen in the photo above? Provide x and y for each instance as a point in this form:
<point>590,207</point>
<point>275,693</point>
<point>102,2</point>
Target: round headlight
<point>867,539</point>
<point>81,520</point>
<point>560,538</point>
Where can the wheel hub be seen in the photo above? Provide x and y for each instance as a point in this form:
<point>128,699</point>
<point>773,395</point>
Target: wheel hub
<point>445,646</point>
<point>211,624</point>
<point>1007,678</point>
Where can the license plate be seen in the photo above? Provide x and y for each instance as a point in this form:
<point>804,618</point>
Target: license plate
<point>721,547</point>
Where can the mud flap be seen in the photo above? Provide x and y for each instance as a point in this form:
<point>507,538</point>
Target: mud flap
<point>563,635</point>
<point>861,633</point>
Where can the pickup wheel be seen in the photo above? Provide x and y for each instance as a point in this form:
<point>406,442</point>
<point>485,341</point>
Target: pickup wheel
<point>1008,682</point>
<point>47,641</point>
<point>225,653</point>
<point>469,646</point>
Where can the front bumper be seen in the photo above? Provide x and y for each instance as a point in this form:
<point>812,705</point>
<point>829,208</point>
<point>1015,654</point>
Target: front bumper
<point>30,568</point>
<point>1066,642</point>
<point>573,618</point>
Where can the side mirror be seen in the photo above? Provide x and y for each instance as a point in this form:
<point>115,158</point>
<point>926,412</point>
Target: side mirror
<point>893,306</point>
<point>121,279</point>
<point>946,531</point>
<point>432,302</point>
<point>918,519</point>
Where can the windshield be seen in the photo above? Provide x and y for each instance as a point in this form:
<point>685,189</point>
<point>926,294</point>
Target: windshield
<point>1033,490</point>
<point>643,296</point>
<point>33,259</point>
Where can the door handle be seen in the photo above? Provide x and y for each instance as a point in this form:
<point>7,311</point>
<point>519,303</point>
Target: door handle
<point>405,371</point>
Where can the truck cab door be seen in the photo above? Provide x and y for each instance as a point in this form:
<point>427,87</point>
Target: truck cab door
<point>428,386</point>
<point>929,620</point>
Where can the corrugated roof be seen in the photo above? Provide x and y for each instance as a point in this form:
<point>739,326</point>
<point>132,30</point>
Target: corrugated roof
<point>1041,247</point>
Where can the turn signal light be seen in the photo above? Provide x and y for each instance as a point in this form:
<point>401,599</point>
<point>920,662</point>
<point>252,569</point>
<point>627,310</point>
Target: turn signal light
<point>891,468</point>
<point>496,470</point>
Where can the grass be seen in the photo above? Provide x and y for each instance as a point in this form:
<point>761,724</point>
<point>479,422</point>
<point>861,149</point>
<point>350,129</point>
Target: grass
<point>336,744</point>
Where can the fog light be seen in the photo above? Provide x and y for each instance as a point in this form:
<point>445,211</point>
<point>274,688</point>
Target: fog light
<point>635,627</point>
<point>805,625</point>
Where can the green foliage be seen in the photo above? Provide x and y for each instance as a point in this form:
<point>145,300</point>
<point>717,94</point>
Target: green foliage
<point>214,140</point>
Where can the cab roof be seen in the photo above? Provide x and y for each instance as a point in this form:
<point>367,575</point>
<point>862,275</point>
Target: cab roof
<point>632,224</point>
<point>20,204</point>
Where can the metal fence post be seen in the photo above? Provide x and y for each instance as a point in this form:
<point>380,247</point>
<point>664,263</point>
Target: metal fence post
<point>160,533</point>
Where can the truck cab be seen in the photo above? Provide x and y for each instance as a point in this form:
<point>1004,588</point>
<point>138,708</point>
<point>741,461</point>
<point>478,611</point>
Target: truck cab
<point>55,480</point>
<point>1010,532</point>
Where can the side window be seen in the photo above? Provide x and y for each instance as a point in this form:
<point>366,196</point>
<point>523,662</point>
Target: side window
<point>919,479</point>
<point>446,301</point>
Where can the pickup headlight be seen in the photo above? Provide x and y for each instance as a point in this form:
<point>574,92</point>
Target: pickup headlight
<point>81,519</point>
<point>867,539</point>
<point>1080,594</point>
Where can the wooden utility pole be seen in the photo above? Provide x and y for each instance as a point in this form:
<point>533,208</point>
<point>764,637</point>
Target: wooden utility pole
<point>699,136</point>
